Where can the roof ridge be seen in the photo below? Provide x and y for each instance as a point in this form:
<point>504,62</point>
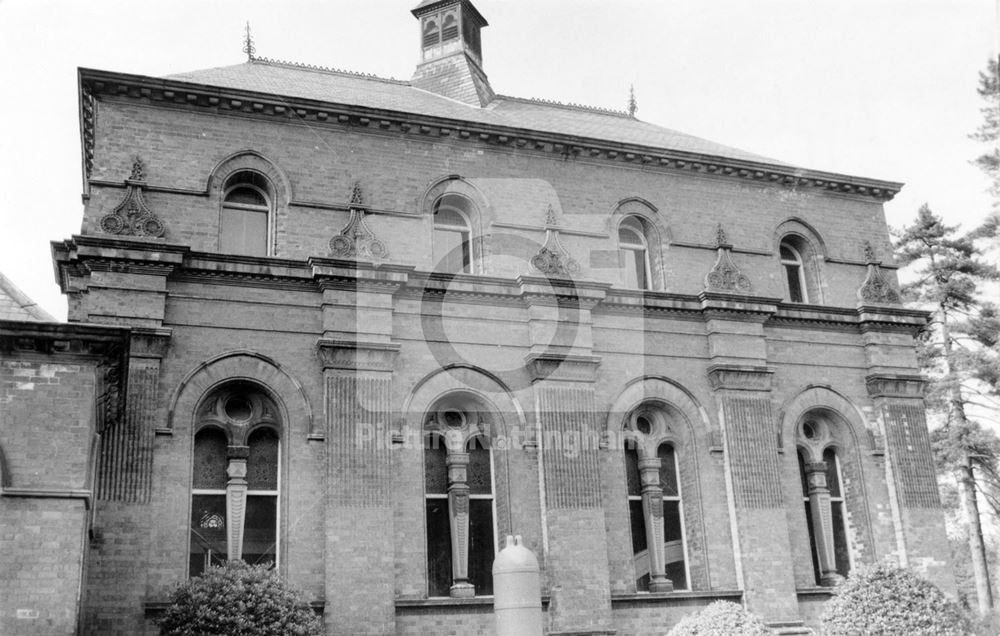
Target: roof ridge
<point>328,69</point>
<point>569,106</point>
<point>23,301</point>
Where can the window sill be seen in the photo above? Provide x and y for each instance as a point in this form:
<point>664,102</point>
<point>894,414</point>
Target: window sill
<point>815,591</point>
<point>669,597</point>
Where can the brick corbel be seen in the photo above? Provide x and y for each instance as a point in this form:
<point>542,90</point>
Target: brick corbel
<point>562,367</point>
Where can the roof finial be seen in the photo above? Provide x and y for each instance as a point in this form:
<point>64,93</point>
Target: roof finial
<point>248,47</point>
<point>632,104</point>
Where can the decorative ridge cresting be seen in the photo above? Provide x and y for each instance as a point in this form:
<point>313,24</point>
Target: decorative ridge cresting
<point>876,288</point>
<point>326,69</point>
<point>357,240</point>
<point>131,217</point>
<point>725,276</point>
<point>568,105</point>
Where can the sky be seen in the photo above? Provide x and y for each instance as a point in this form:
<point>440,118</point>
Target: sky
<point>876,88</point>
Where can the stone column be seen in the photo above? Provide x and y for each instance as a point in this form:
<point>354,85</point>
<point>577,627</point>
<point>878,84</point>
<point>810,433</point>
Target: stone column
<point>236,499</point>
<point>358,357</point>
<point>652,507</point>
<point>819,509</point>
<point>458,512</point>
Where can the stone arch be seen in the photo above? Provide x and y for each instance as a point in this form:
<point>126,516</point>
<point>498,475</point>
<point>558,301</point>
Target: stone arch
<point>657,234</point>
<point>663,390</point>
<point>247,366</point>
<point>804,238</point>
<point>818,397</point>
<point>255,162</point>
<point>477,216</point>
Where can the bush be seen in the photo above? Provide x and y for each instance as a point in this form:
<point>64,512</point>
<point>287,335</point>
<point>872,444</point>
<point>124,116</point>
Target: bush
<point>238,599</point>
<point>886,600</point>
<point>721,618</point>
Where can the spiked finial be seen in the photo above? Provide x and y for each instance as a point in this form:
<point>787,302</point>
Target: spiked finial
<point>248,46</point>
<point>632,104</point>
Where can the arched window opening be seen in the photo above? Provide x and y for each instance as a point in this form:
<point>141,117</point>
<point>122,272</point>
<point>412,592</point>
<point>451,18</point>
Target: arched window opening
<point>431,34</point>
<point>795,277</point>
<point>452,243</point>
<point>235,480</point>
<point>459,504</point>
<point>656,514</point>
<point>246,209</point>
<point>634,249</point>
<point>823,498</point>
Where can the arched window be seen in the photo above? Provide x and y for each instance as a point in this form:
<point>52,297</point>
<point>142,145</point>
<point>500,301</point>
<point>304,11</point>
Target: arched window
<point>795,274</point>
<point>635,252</point>
<point>656,513</point>
<point>234,489</point>
<point>246,210</point>
<point>431,34</point>
<point>458,492</point>
<point>823,497</point>
<point>449,29</point>
<point>452,234</point>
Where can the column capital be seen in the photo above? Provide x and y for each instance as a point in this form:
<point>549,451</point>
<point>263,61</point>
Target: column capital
<point>881,385</point>
<point>740,377</point>
<point>352,355</point>
<point>552,365</point>
<point>149,342</point>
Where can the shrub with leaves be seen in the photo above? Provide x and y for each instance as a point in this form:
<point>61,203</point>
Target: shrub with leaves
<point>883,600</point>
<point>238,599</point>
<point>721,618</point>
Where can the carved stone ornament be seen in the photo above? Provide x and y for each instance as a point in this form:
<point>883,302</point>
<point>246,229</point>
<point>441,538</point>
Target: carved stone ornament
<point>725,275</point>
<point>553,260</point>
<point>356,240</point>
<point>131,217</point>
<point>876,289</point>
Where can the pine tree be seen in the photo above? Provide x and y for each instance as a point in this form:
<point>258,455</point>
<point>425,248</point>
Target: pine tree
<point>989,131</point>
<point>948,274</point>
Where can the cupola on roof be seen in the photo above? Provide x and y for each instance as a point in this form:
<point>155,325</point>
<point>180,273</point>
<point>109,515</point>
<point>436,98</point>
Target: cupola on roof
<point>451,55</point>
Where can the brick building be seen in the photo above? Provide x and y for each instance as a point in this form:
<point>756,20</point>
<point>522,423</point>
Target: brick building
<point>373,326</point>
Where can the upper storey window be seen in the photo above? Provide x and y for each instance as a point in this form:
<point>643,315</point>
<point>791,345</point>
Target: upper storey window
<point>795,276</point>
<point>246,211</point>
<point>635,252</point>
<point>452,235</point>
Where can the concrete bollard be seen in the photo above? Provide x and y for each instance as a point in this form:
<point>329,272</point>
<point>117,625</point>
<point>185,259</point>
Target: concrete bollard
<point>517,591</point>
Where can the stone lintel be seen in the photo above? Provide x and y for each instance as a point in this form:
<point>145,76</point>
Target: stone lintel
<point>357,356</point>
<point>739,377</point>
<point>150,342</point>
<point>895,386</point>
<point>729,306</point>
<point>564,367</point>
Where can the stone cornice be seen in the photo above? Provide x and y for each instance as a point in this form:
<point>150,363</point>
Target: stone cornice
<point>898,319</point>
<point>727,306</point>
<point>179,94</point>
<point>358,275</point>
<point>564,367</point>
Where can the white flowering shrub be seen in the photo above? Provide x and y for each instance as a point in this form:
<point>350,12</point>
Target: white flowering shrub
<point>721,618</point>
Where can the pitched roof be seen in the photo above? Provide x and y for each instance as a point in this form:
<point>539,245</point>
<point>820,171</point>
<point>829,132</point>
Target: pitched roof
<point>356,89</point>
<point>15,304</point>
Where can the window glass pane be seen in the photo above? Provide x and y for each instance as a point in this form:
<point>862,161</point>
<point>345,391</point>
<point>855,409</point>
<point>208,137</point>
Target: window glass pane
<point>632,470</point>
<point>841,552</point>
<point>794,286</point>
<point>640,556</point>
<point>210,460</point>
<point>481,545</point>
<point>786,253</point>
<point>435,468</point>
<point>812,542</point>
<point>438,548</point>
<point>832,474</point>
<point>673,543</point>
<point>451,251</point>
<point>802,474</point>
<point>640,269</point>
<point>668,470</point>
<point>447,216</point>
<point>243,232</point>
<point>628,236</point>
<point>262,465</point>
<point>208,532</point>
<point>479,474</point>
<point>246,196</point>
<point>260,529</point>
